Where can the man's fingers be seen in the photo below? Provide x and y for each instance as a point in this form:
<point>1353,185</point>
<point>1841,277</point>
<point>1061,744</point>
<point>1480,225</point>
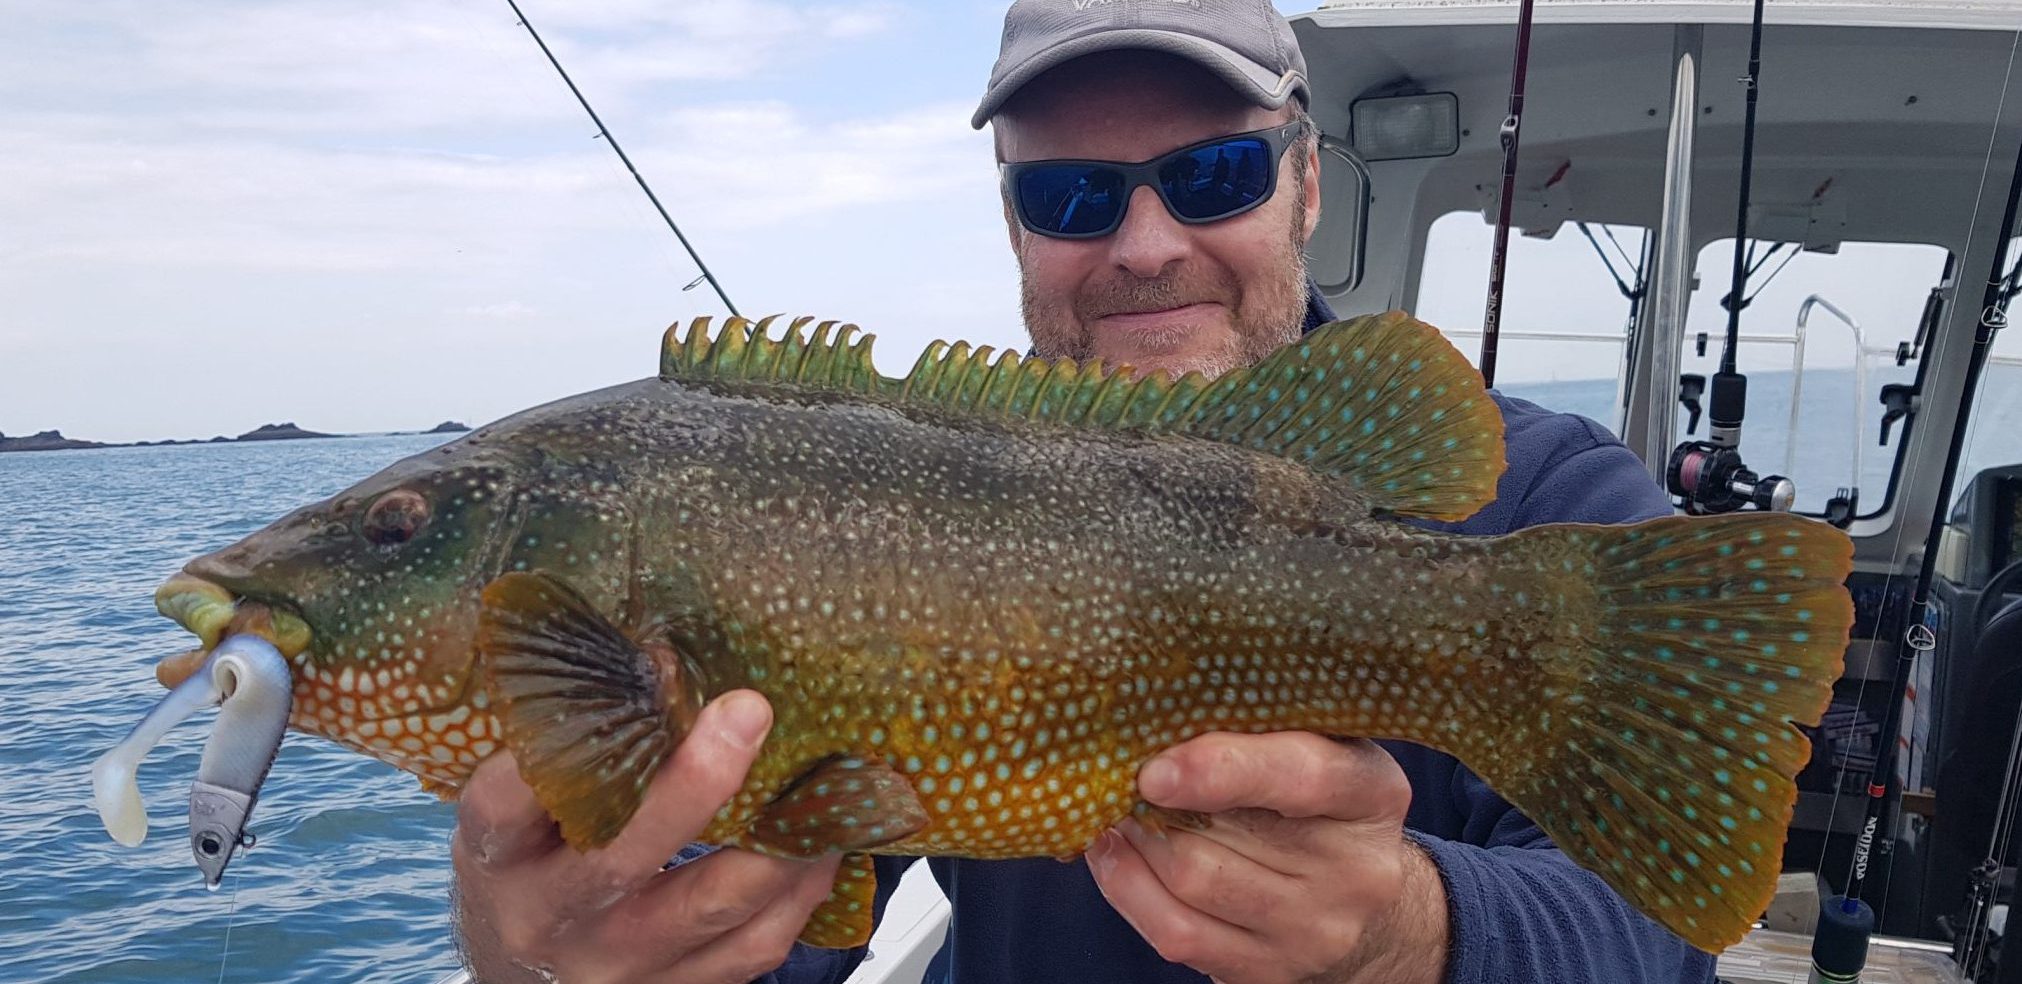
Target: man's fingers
<point>1294,774</point>
<point>706,769</point>
<point>499,823</point>
<point>715,894</point>
<point>763,942</point>
<point>1209,876</point>
<point>1180,933</point>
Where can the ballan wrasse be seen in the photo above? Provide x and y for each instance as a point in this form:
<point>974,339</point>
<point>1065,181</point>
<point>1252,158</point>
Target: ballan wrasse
<point>981,596</point>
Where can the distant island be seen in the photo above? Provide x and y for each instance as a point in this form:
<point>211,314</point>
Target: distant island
<point>278,432</point>
<point>53,440</point>
<point>46,441</point>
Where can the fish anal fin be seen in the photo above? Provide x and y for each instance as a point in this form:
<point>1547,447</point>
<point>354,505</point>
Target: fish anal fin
<point>843,920</point>
<point>588,713</point>
<point>843,803</point>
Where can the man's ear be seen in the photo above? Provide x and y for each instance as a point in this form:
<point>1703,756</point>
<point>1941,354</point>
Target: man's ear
<point>1312,196</point>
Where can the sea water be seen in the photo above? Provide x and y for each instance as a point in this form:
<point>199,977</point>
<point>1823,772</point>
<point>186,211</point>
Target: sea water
<point>350,878</point>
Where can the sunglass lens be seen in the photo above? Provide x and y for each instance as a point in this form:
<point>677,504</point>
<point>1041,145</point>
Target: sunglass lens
<point>1218,179</point>
<point>1070,199</point>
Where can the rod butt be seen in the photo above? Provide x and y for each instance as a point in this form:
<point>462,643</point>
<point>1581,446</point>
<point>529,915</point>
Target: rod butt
<point>1839,950</point>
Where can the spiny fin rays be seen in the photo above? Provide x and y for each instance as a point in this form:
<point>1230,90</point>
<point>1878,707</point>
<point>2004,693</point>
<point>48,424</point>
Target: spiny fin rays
<point>1383,401</point>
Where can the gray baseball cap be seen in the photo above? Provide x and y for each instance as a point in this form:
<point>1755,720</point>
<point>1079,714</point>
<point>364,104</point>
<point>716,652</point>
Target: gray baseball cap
<point>1246,43</point>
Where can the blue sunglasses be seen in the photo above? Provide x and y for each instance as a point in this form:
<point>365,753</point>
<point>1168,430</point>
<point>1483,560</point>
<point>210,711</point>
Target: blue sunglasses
<point>1206,182</point>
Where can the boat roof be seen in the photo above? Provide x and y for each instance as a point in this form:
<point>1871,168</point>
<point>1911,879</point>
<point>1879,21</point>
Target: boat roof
<point>1996,15</point>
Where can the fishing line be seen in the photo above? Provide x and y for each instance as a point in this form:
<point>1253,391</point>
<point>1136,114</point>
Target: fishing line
<point>231,915</point>
<point>1918,614</point>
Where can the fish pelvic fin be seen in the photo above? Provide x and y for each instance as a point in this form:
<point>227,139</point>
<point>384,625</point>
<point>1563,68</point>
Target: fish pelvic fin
<point>1661,752</point>
<point>1383,401</point>
<point>843,920</point>
<point>588,714</point>
<point>844,803</point>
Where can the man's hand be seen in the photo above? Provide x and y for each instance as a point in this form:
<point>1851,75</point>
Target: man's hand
<point>530,908</point>
<point>1304,875</point>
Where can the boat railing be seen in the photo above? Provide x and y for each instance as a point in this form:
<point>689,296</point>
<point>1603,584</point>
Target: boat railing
<point>1861,354</point>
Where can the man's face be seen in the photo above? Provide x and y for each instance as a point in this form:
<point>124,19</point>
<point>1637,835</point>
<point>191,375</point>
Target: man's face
<point>1157,293</point>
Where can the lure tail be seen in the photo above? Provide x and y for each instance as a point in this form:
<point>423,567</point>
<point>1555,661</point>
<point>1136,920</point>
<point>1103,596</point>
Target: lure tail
<point>1675,657</point>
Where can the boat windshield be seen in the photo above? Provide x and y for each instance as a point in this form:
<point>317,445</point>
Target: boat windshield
<point>1820,338</point>
<point>1820,335</point>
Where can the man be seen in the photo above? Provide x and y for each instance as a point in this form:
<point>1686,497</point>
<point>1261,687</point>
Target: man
<point>1326,861</point>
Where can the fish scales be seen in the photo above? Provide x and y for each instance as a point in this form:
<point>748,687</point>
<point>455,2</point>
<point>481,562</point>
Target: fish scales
<point>979,597</point>
<point>1016,619</point>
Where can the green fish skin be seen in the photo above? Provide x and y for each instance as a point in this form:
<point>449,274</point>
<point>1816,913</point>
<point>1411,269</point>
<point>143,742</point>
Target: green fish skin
<point>980,596</point>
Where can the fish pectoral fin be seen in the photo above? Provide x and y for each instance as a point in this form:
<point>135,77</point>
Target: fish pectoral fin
<point>843,920</point>
<point>584,710</point>
<point>1159,819</point>
<point>844,803</point>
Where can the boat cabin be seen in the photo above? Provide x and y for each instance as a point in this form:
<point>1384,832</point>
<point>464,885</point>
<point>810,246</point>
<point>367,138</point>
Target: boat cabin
<point>1885,140</point>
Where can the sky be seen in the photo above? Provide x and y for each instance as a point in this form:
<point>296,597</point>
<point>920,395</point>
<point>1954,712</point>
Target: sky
<point>382,214</point>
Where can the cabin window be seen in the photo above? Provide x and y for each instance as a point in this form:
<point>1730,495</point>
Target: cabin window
<point>1880,286</point>
<point>1994,432</point>
<point>1565,320</point>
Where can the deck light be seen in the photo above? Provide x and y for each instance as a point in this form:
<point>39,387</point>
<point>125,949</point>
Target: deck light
<point>1391,128</point>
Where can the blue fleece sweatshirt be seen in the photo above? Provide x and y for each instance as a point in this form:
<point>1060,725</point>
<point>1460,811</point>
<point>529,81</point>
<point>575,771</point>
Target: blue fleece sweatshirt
<point>1519,910</point>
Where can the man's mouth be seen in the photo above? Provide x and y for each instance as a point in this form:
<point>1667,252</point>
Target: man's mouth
<point>213,613</point>
<point>1157,318</point>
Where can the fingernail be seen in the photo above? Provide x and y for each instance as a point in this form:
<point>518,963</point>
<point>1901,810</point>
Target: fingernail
<point>746,718</point>
<point>1100,860</point>
<point>1158,780</point>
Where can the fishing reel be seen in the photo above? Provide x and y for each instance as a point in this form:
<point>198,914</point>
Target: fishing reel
<point>1711,478</point>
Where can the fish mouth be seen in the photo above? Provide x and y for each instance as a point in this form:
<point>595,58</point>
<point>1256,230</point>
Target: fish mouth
<point>213,613</point>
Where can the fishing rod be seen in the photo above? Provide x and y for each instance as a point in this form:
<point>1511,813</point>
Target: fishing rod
<point>1709,476</point>
<point>1845,921</point>
<point>1498,259</point>
<point>605,132</point>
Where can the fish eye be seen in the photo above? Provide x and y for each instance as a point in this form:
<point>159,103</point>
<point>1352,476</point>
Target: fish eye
<point>395,517</point>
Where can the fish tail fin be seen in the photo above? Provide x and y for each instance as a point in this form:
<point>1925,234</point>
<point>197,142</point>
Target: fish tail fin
<point>1658,750</point>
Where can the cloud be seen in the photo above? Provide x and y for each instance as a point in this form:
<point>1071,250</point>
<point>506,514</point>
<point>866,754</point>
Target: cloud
<point>382,66</point>
<point>216,214</point>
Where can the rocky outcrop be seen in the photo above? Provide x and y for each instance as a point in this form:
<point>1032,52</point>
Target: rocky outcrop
<point>46,441</point>
<point>279,432</point>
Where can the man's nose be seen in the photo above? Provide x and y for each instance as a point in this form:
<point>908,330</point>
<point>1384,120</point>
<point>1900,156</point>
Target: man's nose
<point>1150,240</point>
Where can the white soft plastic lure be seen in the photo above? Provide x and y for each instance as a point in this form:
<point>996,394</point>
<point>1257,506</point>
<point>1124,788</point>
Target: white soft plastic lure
<point>247,678</point>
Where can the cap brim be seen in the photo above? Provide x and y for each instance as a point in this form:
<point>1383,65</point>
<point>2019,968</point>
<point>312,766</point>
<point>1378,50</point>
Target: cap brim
<point>1253,81</point>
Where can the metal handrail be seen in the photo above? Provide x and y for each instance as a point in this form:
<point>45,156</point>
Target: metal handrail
<point>1860,383</point>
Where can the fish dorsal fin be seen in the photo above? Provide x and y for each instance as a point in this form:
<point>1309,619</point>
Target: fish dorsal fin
<point>831,356</point>
<point>1383,400</point>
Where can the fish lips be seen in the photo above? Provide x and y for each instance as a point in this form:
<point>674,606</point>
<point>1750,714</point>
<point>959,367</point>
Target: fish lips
<point>213,612</point>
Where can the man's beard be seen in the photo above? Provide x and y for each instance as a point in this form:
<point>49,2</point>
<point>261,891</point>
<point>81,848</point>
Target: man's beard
<point>1267,313</point>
